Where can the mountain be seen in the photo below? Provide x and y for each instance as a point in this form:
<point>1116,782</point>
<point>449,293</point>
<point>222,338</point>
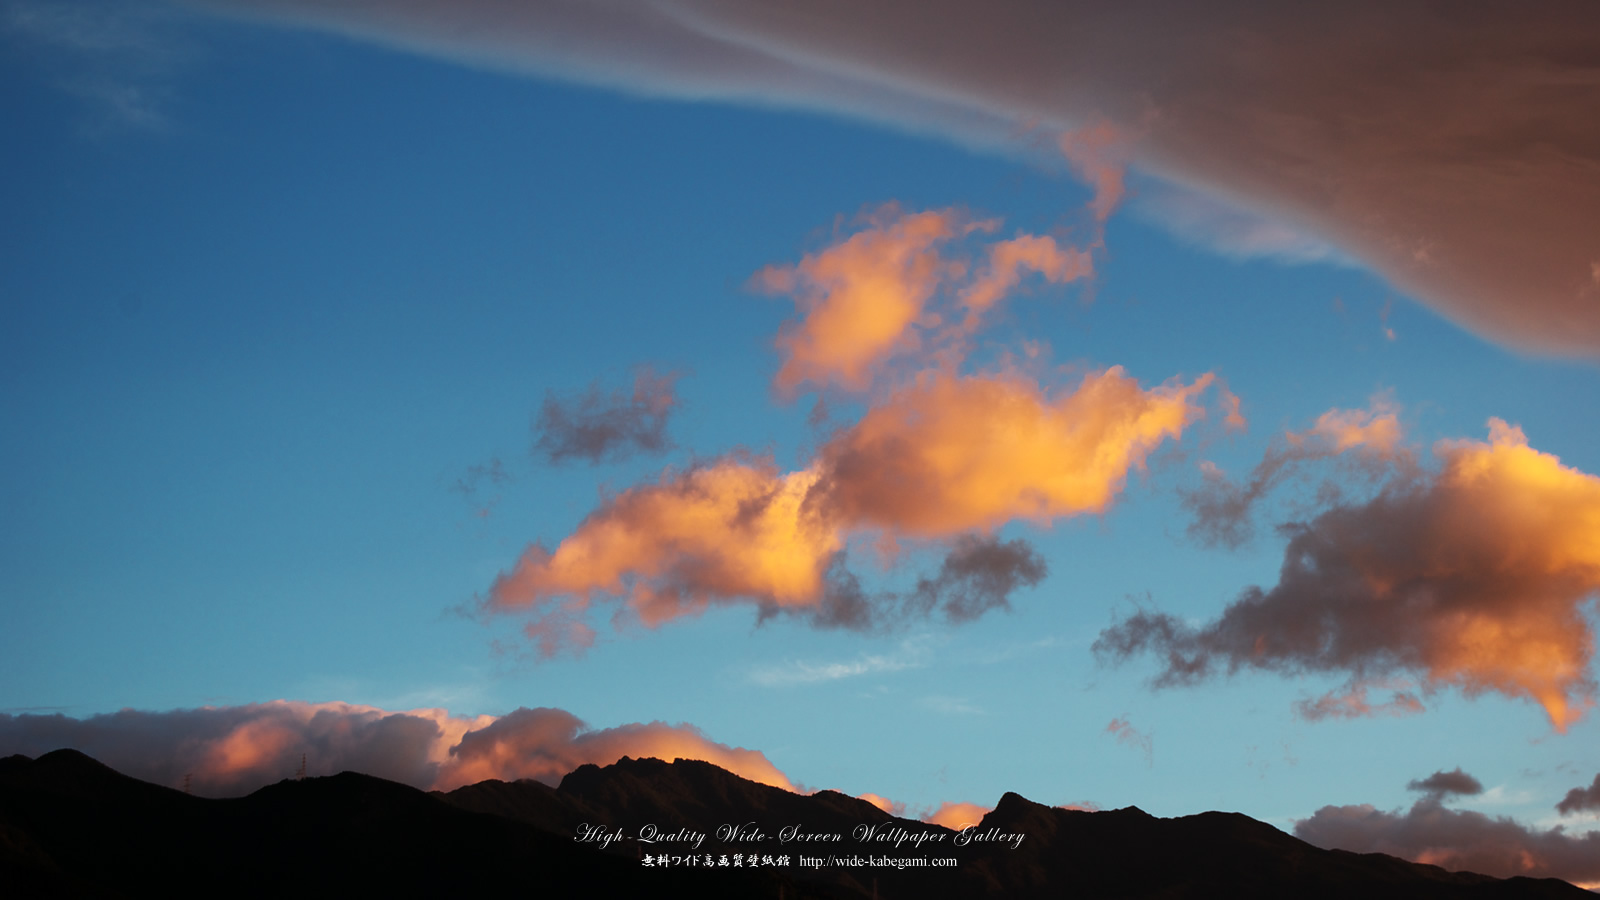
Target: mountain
<point>70,826</point>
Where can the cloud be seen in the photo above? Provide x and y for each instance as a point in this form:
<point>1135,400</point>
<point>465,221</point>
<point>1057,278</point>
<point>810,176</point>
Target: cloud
<point>545,744</point>
<point>600,427</point>
<point>232,750</point>
<point>957,816</point>
<point>1010,260</point>
<point>1222,508</point>
<point>912,654</point>
<point>1099,153</point>
<point>1457,840</point>
<point>1447,149</point>
<point>938,460</point>
<point>1350,701</point>
<point>951,454</point>
<point>950,706</point>
<point>731,528</point>
<point>118,57</point>
<point>1442,783</point>
<point>1475,576</point>
<point>492,471</point>
<point>1212,223</point>
<point>977,575</point>
<point>904,286</point>
<point>884,803</point>
<point>1128,736</point>
<point>1581,798</point>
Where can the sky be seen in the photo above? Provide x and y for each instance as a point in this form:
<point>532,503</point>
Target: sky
<point>1190,411</point>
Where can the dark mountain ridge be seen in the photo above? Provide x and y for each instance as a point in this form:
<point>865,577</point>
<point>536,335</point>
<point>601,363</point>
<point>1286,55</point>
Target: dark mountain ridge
<point>70,826</point>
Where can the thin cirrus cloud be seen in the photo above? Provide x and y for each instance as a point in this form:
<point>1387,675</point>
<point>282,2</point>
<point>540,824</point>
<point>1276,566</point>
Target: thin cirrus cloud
<point>232,750</point>
<point>1465,179</point>
<point>913,653</point>
<point>1352,701</point>
<point>1129,736</point>
<point>597,426</point>
<point>1459,840</point>
<point>1475,576</point>
<point>1224,228</point>
<point>800,672</point>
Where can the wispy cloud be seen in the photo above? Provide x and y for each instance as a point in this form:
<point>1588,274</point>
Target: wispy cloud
<point>119,57</point>
<point>1460,840</point>
<point>1129,736</point>
<point>1367,440</point>
<point>923,465</point>
<point>913,653</point>
<point>950,706</point>
<point>1209,222</point>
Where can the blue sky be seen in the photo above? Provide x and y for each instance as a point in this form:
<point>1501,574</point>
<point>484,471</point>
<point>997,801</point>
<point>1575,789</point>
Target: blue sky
<point>268,294</point>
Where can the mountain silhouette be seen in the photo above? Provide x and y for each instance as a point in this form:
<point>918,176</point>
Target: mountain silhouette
<point>70,826</point>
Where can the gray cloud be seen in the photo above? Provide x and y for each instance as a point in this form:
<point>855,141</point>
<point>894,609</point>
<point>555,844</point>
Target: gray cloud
<point>1441,783</point>
<point>1458,840</point>
<point>1449,148</point>
<point>1581,798</point>
<point>232,750</point>
<point>977,574</point>
<point>607,427</point>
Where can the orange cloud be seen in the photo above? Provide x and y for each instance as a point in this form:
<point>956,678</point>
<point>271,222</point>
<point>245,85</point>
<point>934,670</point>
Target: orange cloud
<point>733,527</point>
<point>943,457</point>
<point>950,454</point>
<point>957,816</point>
<point>1473,577</point>
<point>1010,260</point>
<point>883,803</point>
<point>233,750</point>
<point>1376,430</point>
<point>859,298</point>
